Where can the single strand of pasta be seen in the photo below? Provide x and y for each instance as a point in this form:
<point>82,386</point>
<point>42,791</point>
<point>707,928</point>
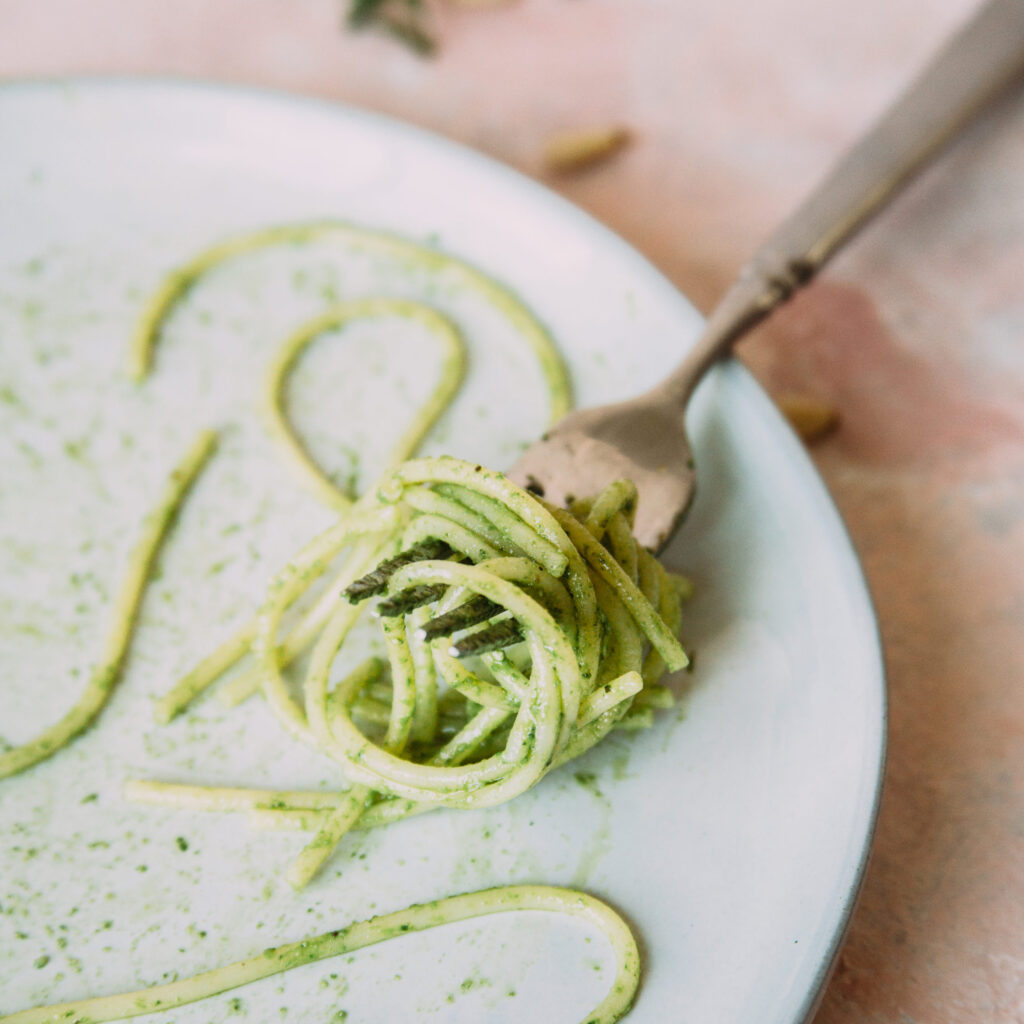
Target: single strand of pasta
<point>453,368</point>
<point>418,917</point>
<point>123,616</point>
<point>180,281</point>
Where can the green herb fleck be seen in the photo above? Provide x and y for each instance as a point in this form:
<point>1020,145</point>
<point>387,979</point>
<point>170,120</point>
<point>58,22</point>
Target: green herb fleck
<point>75,449</point>
<point>405,20</point>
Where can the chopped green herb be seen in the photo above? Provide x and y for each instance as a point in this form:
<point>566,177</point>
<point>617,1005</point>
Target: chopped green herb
<point>405,20</point>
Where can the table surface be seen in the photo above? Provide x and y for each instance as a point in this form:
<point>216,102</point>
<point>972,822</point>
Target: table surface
<point>915,334</point>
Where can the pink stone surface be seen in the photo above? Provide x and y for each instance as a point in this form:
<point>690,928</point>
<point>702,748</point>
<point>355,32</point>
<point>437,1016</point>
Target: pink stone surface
<point>916,334</point>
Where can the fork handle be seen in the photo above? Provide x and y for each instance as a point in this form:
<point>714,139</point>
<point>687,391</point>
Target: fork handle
<point>978,64</point>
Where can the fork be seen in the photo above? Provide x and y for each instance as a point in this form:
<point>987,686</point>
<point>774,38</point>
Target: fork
<point>644,439</point>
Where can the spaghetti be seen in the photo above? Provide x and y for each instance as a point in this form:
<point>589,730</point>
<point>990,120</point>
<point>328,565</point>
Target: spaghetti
<point>108,670</point>
<point>367,933</point>
<point>427,730</point>
<point>594,619</point>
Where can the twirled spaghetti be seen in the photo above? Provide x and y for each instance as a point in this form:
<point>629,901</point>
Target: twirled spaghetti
<point>599,627</point>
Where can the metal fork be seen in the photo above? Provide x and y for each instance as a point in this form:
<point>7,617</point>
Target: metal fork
<point>644,439</point>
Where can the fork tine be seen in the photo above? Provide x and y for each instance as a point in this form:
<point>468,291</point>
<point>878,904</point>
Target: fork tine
<point>490,638</point>
<point>409,599</point>
<point>470,613</point>
<point>376,580</point>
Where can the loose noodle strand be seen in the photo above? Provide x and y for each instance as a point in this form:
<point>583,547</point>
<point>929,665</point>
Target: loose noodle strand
<point>125,610</point>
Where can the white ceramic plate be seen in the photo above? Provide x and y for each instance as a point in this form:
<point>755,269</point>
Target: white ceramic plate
<point>732,834</point>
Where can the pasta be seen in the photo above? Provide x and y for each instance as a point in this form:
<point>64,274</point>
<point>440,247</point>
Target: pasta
<point>105,674</point>
<point>589,619</point>
<point>402,250</point>
<point>452,371</point>
<point>439,733</point>
<point>367,933</point>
